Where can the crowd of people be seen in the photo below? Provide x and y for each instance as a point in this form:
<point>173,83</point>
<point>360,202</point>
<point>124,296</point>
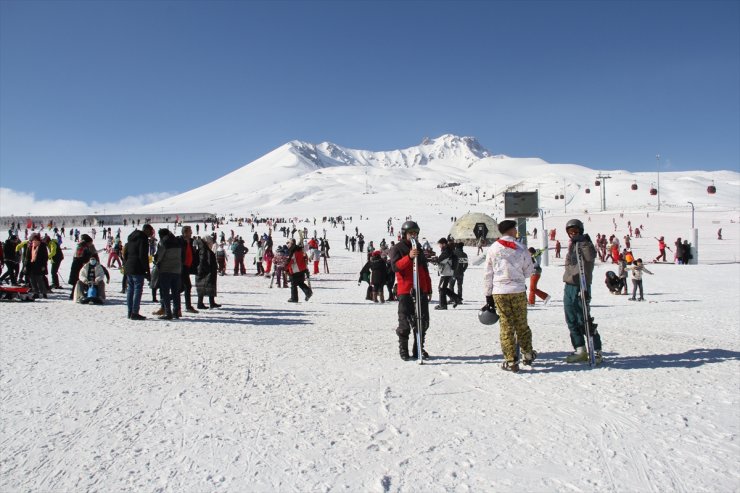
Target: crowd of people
<point>174,264</point>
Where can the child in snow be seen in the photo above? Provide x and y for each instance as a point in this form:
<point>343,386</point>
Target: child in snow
<point>637,271</point>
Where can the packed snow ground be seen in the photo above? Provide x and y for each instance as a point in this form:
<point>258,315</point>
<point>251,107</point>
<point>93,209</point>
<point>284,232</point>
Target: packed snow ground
<point>262,395</point>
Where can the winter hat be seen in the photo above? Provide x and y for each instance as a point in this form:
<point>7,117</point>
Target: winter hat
<point>442,241</point>
<point>506,225</point>
<point>86,238</point>
<point>163,232</point>
<point>376,253</point>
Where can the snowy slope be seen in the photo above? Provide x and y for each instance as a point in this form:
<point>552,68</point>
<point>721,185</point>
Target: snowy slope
<point>457,173</point>
<point>264,396</point>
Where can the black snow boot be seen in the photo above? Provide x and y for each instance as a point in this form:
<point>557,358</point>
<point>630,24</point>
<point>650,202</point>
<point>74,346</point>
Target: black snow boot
<point>403,348</point>
<point>415,350</point>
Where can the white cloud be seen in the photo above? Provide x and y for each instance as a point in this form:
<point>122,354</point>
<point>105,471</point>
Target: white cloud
<point>24,203</point>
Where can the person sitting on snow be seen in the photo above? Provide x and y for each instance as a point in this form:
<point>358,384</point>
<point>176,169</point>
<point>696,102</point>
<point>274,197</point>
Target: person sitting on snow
<point>90,287</point>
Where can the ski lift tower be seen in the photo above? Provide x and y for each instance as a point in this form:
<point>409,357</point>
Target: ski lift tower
<point>603,179</point>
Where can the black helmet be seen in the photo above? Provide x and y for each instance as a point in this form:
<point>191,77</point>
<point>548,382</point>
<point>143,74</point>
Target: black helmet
<point>487,317</point>
<point>574,223</point>
<point>409,226</point>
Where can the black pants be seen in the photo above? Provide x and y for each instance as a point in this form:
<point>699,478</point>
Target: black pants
<point>298,280</point>
<point>459,282</point>
<point>445,291</point>
<point>407,315</point>
<point>187,290</point>
<point>11,273</point>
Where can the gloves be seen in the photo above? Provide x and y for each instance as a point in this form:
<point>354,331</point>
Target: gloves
<point>490,304</point>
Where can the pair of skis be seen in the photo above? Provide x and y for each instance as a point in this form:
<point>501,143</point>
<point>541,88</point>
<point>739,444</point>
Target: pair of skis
<point>417,304</point>
<point>586,310</point>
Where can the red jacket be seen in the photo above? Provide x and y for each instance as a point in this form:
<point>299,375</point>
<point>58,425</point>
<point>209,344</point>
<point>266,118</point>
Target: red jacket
<point>297,260</point>
<point>403,265</point>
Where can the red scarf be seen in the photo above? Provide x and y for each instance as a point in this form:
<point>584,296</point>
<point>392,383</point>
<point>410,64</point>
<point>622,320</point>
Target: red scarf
<point>507,243</point>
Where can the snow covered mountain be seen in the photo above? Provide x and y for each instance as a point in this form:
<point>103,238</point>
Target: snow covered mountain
<point>450,172</point>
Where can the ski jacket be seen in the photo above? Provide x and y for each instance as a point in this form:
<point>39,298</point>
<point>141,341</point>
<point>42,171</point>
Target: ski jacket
<point>637,271</point>
<point>403,266</point>
<point>462,263</point>
<point>83,253</point>
<point>136,255</point>
<point>168,258</point>
<point>571,274</point>
<point>297,260</point>
<point>98,273</point>
<point>445,262</point>
<point>9,249</point>
<point>375,270</point>
<point>507,267</point>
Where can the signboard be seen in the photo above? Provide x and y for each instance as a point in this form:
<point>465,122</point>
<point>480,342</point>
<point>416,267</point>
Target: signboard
<point>521,204</point>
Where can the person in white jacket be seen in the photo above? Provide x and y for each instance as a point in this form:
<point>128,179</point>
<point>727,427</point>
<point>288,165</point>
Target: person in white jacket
<point>507,267</point>
<point>91,274</point>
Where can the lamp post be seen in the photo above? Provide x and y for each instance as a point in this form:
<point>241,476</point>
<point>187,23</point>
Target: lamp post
<point>657,163</point>
<point>545,253</point>
<point>692,215</point>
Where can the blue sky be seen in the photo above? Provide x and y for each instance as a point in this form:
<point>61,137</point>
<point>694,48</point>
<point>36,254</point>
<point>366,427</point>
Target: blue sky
<point>100,100</point>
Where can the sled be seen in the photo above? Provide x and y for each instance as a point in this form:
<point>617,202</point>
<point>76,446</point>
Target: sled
<point>15,293</point>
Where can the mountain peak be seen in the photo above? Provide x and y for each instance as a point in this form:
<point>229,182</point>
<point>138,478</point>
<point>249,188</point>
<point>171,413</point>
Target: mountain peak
<point>457,143</point>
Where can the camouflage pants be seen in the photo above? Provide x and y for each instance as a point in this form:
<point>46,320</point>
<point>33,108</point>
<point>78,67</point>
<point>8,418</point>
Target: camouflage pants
<point>512,308</point>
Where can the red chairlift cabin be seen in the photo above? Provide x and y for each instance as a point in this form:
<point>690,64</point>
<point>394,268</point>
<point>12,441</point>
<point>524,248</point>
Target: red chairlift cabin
<point>588,190</point>
<point>634,186</point>
<point>653,191</point>
<point>711,189</point>
<point>597,183</point>
<point>562,197</point>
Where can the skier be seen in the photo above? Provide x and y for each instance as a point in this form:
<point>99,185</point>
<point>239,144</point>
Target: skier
<point>402,257</point>
<point>506,269</point>
<point>557,249</point>
<point>572,299</point>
